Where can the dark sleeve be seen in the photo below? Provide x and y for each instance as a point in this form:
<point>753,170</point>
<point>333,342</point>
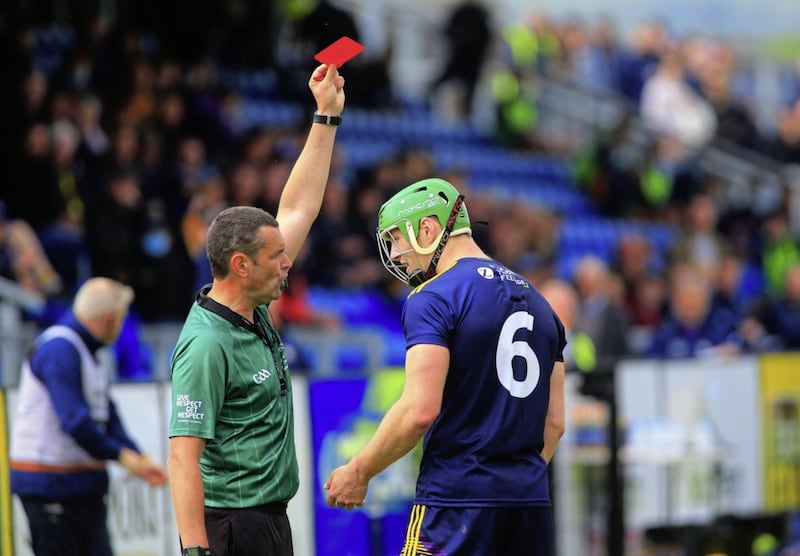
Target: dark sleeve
<point>427,319</point>
<point>57,364</point>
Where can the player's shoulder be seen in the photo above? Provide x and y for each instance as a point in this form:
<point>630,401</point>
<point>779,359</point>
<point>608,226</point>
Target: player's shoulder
<point>460,272</point>
<point>479,271</point>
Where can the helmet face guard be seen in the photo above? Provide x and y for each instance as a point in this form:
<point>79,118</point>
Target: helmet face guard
<point>386,241</point>
<point>403,212</point>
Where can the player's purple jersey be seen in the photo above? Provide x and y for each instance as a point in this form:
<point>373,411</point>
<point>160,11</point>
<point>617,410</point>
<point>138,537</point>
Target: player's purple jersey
<point>484,448</point>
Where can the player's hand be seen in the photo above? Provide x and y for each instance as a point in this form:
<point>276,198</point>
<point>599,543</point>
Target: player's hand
<point>328,88</point>
<point>346,489</point>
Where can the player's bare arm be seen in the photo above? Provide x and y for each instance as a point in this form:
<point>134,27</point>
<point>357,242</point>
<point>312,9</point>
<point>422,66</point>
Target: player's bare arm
<point>404,424</point>
<point>555,421</point>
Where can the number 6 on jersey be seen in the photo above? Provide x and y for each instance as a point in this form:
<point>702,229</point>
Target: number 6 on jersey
<point>508,348</point>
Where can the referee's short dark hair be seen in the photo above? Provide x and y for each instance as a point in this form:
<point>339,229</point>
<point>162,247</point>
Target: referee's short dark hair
<point>235,229</point>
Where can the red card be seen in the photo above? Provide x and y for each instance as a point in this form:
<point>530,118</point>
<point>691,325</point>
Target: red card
<point>339,52</point>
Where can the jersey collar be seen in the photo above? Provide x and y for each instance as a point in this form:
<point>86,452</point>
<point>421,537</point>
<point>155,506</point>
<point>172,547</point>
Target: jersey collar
<point>225,312</point>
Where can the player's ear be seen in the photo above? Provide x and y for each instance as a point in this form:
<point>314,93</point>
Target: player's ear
<point>429,226</point>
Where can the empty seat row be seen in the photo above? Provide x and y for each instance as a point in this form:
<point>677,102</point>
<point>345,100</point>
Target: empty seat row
<point>598,231</point>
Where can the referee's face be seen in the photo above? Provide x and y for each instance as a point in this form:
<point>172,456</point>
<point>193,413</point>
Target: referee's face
<point>270,267</point>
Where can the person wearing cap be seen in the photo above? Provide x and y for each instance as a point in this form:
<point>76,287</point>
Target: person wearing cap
<point>484,388</point>
<point>66,427</point>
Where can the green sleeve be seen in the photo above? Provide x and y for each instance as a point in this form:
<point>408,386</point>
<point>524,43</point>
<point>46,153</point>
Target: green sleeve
<point>199,370</point>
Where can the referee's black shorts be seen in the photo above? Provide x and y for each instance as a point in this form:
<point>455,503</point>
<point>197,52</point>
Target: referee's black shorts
<point>249,531</point>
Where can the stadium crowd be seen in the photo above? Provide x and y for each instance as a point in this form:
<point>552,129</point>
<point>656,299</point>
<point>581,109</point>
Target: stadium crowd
<point>121,143</point>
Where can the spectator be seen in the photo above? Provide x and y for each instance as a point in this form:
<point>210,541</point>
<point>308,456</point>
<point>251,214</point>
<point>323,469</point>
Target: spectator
<point>204,110</point>
<point>605,55</point>
<point>191,171</point>
<point>699,243</point>
<point>775,325</point>
<point>734,122</point>
<point>248,35</point>
<point>735,290</point>
<point>527,47</point>
<point>785,147</point>
<point>311,26</point>
<point>124,153</point>
<point>343,256</point>
<point>15,65</point>
<point>64,239</point>
<point>467,34</point>
<point>606,168</point>
<point>22,258</point>
<point>206,202</point>
<point>142,102</point>
<point>245,186</point>
<point>111,49</point>
<point>67,427</point>
<point>638,266</point>
<point>564,300</point>
<point>167,275</point>
<point>33,194</point>
<point>639,62</point>
<point>187,43</point>
<point>117,227</point>
<point>93,147</point>
<point>170,122</point>
<point>669,106</point>
<point>693,327</point>
<point>779,250</point>
<point>600,317</point>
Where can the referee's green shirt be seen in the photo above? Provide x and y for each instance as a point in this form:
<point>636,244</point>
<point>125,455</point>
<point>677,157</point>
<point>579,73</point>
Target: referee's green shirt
<point>229,389</point>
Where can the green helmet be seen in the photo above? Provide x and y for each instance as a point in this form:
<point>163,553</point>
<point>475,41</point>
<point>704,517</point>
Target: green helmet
<point>428,197</point>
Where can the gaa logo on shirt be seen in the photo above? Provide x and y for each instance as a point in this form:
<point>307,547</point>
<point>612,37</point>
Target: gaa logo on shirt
<point>261,376</point>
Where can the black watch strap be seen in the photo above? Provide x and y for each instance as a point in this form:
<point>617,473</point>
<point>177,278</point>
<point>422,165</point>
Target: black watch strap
<point>196,551</point>
<point>327,120</point>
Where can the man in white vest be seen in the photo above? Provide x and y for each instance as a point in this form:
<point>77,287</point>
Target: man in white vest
<point>66,427</point>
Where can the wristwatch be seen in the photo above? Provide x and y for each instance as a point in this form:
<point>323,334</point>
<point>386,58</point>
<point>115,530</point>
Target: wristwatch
<point>327,120</point>
<point>196,551</point>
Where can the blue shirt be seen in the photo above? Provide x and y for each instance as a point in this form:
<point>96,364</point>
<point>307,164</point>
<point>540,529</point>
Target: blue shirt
<point>675,340</point>
<point>504,339</point>
<point>57,364</point>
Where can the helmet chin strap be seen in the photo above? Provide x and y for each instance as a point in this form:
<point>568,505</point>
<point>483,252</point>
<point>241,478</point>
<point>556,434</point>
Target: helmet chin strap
<point>418,276</point>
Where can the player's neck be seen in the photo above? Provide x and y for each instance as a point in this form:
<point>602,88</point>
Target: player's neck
<point>460,247</point>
